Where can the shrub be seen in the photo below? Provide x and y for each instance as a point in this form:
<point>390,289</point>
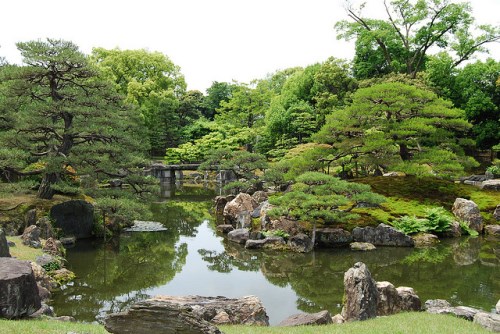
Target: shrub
<point>436,220</point>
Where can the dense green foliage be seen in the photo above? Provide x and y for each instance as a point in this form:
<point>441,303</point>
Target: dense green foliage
<point>435,220</point>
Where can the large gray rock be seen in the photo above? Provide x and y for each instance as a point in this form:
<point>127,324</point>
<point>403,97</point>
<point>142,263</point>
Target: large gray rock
<point>491,184</point>
<point>493,230</point>
<point>443,307</point>
<point>265,220</point>
<point>497,307</point>
<point>46,228</point>
<point>468,211</point>
<point>454,231</point>
<point>74,218</point>
<point>267,243</point>
<point>425,239</point>
<point>238,211</point>
<point>300,243</point>
<point>239,236</point>
<point>4,246</point>
<point>31,236</point>
<point>361,294</point>
<point>333,237</point>
<point>382,235</point>
<point>156,316</point>
<point>18,289</point>
<point>260,196</point>
<point>304,319</point>
<point>187,315</point>
<point>489,321</point>
<point>393,300</point>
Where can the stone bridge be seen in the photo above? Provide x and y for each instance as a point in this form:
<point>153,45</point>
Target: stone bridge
<point>172,173</point>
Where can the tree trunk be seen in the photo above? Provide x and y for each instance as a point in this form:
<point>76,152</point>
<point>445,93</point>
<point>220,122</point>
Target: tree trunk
<point>45,190</point>
<point>404,153</point>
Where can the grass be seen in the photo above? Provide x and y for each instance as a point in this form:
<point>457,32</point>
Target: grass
<point>48,327</point>
<point>404,323</point>
<point>22,252</point>
<point>412,196</point>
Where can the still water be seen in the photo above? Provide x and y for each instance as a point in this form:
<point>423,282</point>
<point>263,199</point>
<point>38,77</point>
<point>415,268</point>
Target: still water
<point>190,258</point>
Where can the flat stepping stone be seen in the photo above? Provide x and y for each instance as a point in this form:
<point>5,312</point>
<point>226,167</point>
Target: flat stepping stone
<point>145,226</point>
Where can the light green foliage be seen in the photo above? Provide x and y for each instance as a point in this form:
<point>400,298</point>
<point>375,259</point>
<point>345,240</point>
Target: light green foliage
<point>153,83</point>
<point>464,226</point>
<point>401,43</point>
<point>276,233</point>
<point>436,220</point>
<point>394,125</point>
<point>324,199</point>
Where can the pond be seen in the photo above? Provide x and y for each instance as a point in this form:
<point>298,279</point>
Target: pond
<point>190,258</point>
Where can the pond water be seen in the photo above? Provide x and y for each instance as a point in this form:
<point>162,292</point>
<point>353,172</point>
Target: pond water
<point>190,258</point>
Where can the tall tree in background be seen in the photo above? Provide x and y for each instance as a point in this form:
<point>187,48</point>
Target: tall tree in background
<point>217,93</point>
<point>403,41</point>
<point>151,81</point>
<point>65,118</point>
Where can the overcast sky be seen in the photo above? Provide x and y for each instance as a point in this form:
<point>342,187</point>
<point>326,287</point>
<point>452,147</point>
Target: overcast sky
<point>211,40</point>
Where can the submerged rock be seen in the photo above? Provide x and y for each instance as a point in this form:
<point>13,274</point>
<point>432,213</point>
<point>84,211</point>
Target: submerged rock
<point>362,246</point>
<point>425,239</point>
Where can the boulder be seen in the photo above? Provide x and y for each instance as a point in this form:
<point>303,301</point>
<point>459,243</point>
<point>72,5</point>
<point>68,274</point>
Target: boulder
<point>53,247</point>
<point>46,228</point>
<point>304,319</point>
<point>463,312</point>
<point>491,184</point>
<point>18,289</point>
<point>382,235</point>
<point>31,236</point>
<point>425,239</point>
<point>338,319</point>
<point>468,211</point>
<point>389,300</point>
<point>187,315</point>
<point>489,321</point>
<point>74,218</point>
<point>265,220</point>
<point>454,231</point>
<point>409,299</point>
<point>300,243</point>
<point>291,227</point>
<point>268,243</point>
<point>362,246</point>
<point>220,204</point>
<point>225,228</point>
<point>496,213</point>
<point>239,236</point>
<point>41,277</point>
<point>497,307</point>
<point>493,230</point>
<point>260,196</point>
<point>4,246</point>
<point>45,310</point>
<point>30,217</point>
<point>361,294</point>
<point>68,241</point>
<point>333,237</point>
<point>436,303</point>
<point>45,259</point>
<point>238,211</point>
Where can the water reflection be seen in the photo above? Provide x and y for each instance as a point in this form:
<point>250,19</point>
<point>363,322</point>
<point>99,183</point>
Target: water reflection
<point>191,258</point>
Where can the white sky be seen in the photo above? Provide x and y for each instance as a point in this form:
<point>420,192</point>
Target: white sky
<point>211,40</point>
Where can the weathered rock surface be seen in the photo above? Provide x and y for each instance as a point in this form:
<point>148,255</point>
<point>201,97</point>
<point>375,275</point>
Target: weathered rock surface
<point>436,303</point>
<point>225,228</point>
<point>496,213</point>
<point>268,243</point>
<point>362,246</point>
<point>333,237</point>
<point>338,319</point>
<point>289,226</point>
<point>74,218</point>
<point>304,319</point>
<point>265,220</point>
<point>45,259</point>
<point>238,211</point>
<point>18,290</point>
<point>239,236</point>
<point>491,184</point>
<point>300,243</point>
<point>468,211</point>
<point>454,231</point>
<point>220,204</point>
<point>361,294</point>
<point>393,300</point>
<point>41,277</point>
<point>46,228</point>
<point>189,314</point>
<point>4,246</point>
<point>409,299</point>
<point>31,236</point>
<point>490,321</point>
<point>497,307</point>
<point>493,230</point>
<point>382,235</point>
<point>259,196</point>
<point>443,307</point>
<point>53,247</point>
<point>425,239</point>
